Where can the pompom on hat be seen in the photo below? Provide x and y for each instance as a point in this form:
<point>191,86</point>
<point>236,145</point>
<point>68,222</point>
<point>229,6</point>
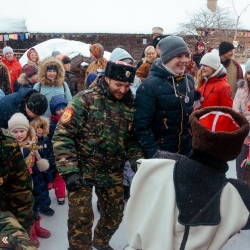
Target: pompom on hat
<point>225,47</point>
<point>219,132</point>
<point>18,120</point>
<point>211,59</point>
<point>120,71</point>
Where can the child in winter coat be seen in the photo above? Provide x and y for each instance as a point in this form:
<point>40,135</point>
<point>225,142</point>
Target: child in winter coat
<point>241,104</point>
<point>41,126</point>
<point>57,106</point>
<point>19,126</point>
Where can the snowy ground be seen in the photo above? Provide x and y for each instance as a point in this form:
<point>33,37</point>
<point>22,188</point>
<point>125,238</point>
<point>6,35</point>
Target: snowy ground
<point>58,228</point>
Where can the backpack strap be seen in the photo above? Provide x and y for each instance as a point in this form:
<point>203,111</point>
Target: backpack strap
<point>40,86</point>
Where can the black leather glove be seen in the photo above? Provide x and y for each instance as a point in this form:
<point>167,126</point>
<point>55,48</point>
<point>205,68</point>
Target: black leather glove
<point>74,182</point>
<point>197,95</point>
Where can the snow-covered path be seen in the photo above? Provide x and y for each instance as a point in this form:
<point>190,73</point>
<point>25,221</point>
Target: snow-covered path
<point>58,227</point>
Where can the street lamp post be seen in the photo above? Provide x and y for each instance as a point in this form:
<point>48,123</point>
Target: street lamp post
<point>235,42</point>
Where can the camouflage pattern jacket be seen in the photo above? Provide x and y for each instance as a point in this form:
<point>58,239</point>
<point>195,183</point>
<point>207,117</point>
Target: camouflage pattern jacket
<point>93,135</point>
<point>12,234</point>
<point>15,181</point>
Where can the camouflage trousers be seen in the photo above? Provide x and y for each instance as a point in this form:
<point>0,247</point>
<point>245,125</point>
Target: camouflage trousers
<point>12,234</point>
<point>81,216</point>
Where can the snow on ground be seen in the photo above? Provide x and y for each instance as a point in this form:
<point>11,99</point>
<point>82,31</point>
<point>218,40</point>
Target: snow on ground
<point>67,47</point>
<point>58,227</point>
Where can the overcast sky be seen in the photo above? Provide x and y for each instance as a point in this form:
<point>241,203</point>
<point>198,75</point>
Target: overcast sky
<point>106,16</point>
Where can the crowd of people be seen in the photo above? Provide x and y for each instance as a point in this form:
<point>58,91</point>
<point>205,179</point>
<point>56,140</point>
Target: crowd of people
<point>168,126</point>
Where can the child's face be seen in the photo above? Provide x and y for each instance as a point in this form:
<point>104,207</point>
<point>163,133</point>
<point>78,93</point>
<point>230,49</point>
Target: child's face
<point>20,134</point>
<point>60,111</point>
<point>39,131</point>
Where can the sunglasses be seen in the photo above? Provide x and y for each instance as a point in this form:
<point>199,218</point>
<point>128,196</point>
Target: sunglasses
<point>248,72</point>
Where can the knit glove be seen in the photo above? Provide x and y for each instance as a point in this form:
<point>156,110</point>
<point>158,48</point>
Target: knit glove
<point>74,182</point>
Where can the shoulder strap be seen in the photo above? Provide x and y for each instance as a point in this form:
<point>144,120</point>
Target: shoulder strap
<point>40,86</point>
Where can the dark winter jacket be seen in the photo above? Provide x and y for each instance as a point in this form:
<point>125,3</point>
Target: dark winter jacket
<point>13,103</point>
<point>197,57</point>
<point>70,79</point>
<point>47,152</point>
<point>4,79</point>
<point>22,82</point>
<point>40,184</point>
<point>161,119</point>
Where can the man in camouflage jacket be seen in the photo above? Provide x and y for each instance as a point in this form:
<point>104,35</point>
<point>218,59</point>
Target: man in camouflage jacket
<point>12,234</point>
<point>15,181</point>
<point>90,143</point>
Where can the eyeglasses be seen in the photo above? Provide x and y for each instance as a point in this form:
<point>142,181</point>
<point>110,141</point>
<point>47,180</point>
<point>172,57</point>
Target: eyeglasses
<point>248,72</point>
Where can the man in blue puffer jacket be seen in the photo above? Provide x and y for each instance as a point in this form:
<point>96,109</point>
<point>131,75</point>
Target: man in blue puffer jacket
<point>164,102</point>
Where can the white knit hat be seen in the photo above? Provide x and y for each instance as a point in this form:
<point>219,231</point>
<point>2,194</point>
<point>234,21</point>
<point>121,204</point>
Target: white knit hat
<point>7,49</point>
<point>18,120</point>
<point>211,59</point>
<point>247,66</point>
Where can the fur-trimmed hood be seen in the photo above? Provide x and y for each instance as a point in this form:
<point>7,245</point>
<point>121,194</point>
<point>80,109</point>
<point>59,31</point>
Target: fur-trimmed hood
<point>41,122</point>
<point>22,79</point>
<point>42,72</point>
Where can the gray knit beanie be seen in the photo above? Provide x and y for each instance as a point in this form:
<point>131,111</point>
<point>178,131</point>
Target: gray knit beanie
<point>172,46</point>
<point>7,49</point>
<point>211,59</point>
<point>247,66</point>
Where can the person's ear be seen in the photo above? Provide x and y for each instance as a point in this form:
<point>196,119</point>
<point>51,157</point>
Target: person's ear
<point>107,79</point>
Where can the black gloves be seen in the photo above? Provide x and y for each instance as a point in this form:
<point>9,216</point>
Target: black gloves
<point>197,95</point>
<point>74,182</point>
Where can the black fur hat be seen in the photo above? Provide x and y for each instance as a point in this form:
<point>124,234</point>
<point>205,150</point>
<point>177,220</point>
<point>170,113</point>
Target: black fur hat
<point>120,71</point>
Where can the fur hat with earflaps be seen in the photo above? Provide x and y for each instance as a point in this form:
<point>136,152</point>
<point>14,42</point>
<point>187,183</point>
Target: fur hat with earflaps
<point>120,71</point>
<point>218,132</point>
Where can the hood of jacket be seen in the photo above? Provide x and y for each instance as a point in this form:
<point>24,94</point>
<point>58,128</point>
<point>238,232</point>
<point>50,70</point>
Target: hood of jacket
<point>22,79</point>
<point>43,69</point>
<point>55,101</point>
<point>119,54</point>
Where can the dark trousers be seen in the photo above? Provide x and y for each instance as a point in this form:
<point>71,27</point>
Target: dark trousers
<point>81,216</point>
<point>240,158</point>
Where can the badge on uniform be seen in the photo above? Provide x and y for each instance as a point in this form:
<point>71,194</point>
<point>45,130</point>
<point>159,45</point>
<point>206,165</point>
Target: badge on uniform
<point>67,115</point>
